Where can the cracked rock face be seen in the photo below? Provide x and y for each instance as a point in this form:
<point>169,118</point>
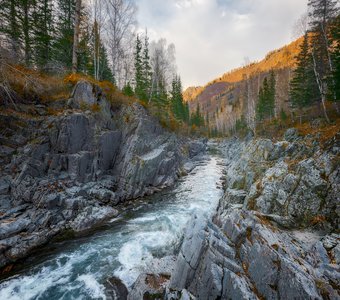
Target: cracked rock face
<point>246,257</point>
<point>66,171</point>
<point>275,232</point>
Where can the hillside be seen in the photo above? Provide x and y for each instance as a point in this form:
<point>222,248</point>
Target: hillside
<point>231,99</point>
<point>276,59</point>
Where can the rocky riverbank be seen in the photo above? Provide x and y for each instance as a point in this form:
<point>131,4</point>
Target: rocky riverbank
<point>67,171</point>
<point>275,234</point>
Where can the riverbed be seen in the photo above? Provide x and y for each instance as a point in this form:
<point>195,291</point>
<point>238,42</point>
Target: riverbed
<point>149,229</point>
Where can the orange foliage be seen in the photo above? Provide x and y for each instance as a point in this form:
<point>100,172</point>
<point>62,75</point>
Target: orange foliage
<point>31,84</point>
<point>277,59</point>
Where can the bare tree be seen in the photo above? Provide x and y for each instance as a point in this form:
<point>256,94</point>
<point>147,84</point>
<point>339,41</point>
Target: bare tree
<point>121,21</point>
<point>301,26</point>
<point>163,63</point>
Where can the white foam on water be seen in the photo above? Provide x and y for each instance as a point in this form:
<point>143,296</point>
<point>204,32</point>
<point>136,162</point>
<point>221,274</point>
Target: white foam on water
<point>33,286</point>
<point>126,252</point>
<point>93,288</point>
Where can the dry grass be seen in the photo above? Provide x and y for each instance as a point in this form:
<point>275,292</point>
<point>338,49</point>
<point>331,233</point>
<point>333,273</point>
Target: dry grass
<point>28,85</point>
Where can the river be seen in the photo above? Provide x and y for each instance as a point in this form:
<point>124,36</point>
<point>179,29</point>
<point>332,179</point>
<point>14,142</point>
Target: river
<point>150,228</point>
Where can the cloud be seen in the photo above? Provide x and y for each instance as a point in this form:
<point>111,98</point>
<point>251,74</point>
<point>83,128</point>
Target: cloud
<point>214,36</point>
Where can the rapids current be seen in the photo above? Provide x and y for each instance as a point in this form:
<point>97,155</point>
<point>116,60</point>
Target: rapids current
<point>150,228</point>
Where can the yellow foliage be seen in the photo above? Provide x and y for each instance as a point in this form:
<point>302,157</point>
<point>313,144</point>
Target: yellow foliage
<point>95,107</point>
<point>277,59</point>
<point>31,84</point>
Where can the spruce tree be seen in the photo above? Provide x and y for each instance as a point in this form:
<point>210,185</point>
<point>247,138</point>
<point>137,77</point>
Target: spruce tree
<point>43,32</point>
<point>179,108</point>
<point>262,105</point>
<point>322,14</point>
<point>335,76</point>
<point>303,86</point>
<point>9,25</point>
<point>139,78</point>
<point>271,95</point>
<point>127,90</point>
<point>63,46</point>
<point>105,72</point>
<point>147,74</point>
<point>266,99</point>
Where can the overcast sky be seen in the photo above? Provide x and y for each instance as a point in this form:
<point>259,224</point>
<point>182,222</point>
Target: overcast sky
<point>214,36</point>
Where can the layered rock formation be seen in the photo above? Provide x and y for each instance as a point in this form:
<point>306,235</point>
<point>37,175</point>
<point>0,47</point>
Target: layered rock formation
<point>275,234</point>
<point>66,171</point>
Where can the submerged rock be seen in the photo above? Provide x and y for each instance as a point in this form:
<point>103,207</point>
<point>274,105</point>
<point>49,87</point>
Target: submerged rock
<point>115,289</point>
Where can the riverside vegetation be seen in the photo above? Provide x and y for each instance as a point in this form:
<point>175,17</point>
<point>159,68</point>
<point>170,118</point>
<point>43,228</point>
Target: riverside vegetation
<point>90,128</point>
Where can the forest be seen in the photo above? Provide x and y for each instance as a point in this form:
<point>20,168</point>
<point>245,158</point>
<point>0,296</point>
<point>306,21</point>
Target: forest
<point>291,85</point>
<point>97,39</point>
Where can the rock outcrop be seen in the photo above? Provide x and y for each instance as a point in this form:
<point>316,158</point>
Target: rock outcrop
<point>68,170</point>
<point>275,234</point>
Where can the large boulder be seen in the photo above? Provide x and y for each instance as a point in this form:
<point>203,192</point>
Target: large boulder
<point>247,257</point>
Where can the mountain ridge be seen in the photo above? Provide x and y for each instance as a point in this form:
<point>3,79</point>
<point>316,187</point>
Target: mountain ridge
<point>276,59</point>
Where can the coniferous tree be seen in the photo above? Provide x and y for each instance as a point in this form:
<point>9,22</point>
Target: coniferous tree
<point>322,14</point>
<point>335,76</point>
<point>261,108</point>
<point>9,25</point>
<point>105,72</point>
<point>85,48</point>
<point>76,30</point>
<point>127,90</point>
<point>179,108</point>
<point>146,69</point>
<point>63,46</point>
<point>271,95</point>
<point>197,119</point>
<point>139,80</point>
<point>266,100</point>
<point>25,17</point>
<point>43,32</point>
<point>16,25</point>
<point>303,87</point>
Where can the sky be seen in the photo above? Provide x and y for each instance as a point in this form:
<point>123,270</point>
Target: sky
<point>215,36</point>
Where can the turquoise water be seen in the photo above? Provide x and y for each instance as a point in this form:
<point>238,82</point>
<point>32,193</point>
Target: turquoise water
<point>125,247</point>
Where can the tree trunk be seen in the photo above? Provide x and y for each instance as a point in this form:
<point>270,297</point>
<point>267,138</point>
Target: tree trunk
<point>27,39</point>
<point>321,88</point>
<point>76,37</point>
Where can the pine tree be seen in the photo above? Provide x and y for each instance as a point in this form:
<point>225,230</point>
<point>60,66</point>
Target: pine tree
<point>197,119</point>
<point>335,76</point>
<point>85,49</point>
<point>25,16</point>
<point>260,109</point>
<point>147,74</point>
<point>271,95</point>
<point>105,72</point>
<point>127,90</point>
<point>43,32</point>
<point>303,87</point>
<point>9,25</point>
<point>76,30</point>
<point>266,99</point>
<point>139,81</point>
<point>322,14</point>
<point>63,46</point>
<point>16,25</point>
<point>179,108</point>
